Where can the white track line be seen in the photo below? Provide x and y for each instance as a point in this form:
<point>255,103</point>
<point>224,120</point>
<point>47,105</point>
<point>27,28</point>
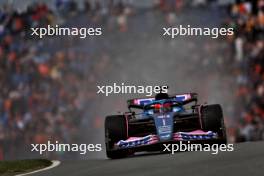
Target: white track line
<point>55,163</point>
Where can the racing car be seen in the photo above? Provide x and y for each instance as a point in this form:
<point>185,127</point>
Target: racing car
<point>153,121</point>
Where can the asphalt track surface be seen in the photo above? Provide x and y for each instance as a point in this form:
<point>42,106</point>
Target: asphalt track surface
<point>246,160</point>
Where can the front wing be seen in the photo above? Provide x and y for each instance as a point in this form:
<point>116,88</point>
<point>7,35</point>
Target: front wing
<point>197,135</point>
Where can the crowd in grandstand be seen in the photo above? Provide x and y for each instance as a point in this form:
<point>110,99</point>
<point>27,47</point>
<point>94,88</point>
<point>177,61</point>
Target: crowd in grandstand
<point>247,18</point>
<point>35,102</point>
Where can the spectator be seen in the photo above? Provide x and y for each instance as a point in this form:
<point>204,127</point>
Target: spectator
<point>247,20</point>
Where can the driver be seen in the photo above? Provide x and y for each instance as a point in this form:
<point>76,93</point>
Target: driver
<point>167,106</point>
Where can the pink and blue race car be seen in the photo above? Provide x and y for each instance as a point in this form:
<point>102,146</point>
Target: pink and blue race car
<point>151,122</point>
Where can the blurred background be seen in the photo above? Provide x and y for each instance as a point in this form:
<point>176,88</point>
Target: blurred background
<point>48,86</point>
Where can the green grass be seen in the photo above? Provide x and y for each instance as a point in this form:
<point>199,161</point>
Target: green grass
<point>8,168</point>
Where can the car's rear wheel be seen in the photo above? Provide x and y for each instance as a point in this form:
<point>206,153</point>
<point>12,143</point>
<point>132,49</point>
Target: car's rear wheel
<point>212,120</point>
<point>115,130</point>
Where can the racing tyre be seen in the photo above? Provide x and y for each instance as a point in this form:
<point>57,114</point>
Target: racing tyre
<point>212,120</point>
<point>115,130</point>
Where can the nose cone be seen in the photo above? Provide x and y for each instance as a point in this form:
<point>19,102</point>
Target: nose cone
<point>164,126</point>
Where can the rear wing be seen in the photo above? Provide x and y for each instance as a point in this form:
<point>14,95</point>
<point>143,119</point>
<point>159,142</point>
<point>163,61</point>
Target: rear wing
<point>184,98</point>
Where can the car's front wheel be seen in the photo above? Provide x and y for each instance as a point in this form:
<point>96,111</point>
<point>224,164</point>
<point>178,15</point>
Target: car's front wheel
<point>212,120</point>
<point>115,130</point>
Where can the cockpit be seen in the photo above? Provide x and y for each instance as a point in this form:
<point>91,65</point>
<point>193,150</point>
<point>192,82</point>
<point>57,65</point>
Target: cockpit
<point>160,107</point>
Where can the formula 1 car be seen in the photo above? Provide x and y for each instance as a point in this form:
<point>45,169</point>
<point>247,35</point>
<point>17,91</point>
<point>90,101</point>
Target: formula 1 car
<point>151,122</point>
